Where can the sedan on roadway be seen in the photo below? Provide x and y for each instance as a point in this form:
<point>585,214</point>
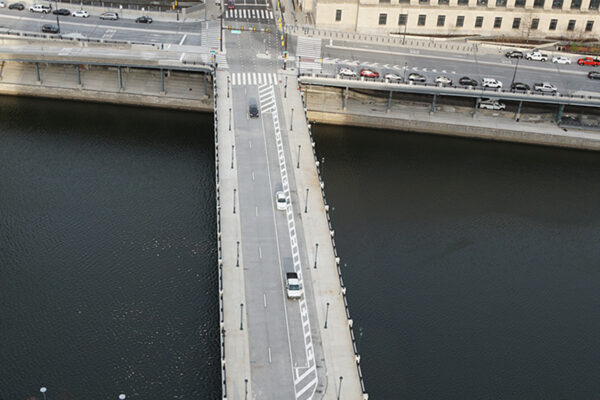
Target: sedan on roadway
<point>594,75</point>
<point>2,4</point>
<point>61,11</point>
<point>81,14</point>
<point>594,62</point>
<point>16,6</point>
<point>466,81</point>
<point>520,86</point>
<point>50,28</point>
<point>347,72</point>
<point>281,201</point>
<point>416,78</point>
<point>143,20</point>
<point>514,54</point>
<point>442,81</point>
<point>367,73</point>
<point>491,83</point>
<point>393,78</point>
<point>490,104</point>
<point>561,60</point>
<point>112,16</point>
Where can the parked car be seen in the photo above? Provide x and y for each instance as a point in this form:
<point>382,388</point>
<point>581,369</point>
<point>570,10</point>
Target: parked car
<point>143,20</point>
<point>594,62</point>
<point>466,81</point>
<point>442,80</point>
<point>40,8</point>
<point>416,78</point>
<point>81,14</point>
<point>113,16</point>
<point>561,60</point>
<point>2,4</point>
<point>367,73</point>
<point>346,72</point>
<point>514,54</point>
<point>50,28</point>
<point>61,11</point>
<point>594,75</point>
<point>393,78</point>
<point>281,201</point>
<point>490,104</point>
<point>491,83</point>
<point>292,285</point>
<point>537,56</point>
<point>545,87</point>
<point>16,6</point>
<point>520,86</point>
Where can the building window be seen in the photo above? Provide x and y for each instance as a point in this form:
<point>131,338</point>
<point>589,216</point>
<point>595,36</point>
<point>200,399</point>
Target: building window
<point>382,19</point>
<point>478,22</point>
<point>421,21</point>
<point>519,3</point>
<point>575,4</point>
<point>500,3</point>
<point>463,2</point>
<point>553,23</point>
<point>443,2</point>
<point>441,20</point>
<point>594,4</point>
<point>535,23</point>
<point>557,4</point>
<point>460,21</point>
<point>384,1</point>
<point>402,18</point>
<point>538,3</point>
<point>516,23</point>
<point>497,22</point>
<point>482,3</point>
<point>404,1</point>
<point>423,1</point>
<point>589,26</point>
<point>338,15</point>
<point>571,26</point>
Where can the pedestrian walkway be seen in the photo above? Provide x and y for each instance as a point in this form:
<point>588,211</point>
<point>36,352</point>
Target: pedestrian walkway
<point>211,34</point>
<point>253,78</point>
<point>249,14</point>
<point>308,53</point>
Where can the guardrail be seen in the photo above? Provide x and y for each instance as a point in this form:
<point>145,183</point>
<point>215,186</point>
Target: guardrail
<point>459,91</point>
<point>57,37</point>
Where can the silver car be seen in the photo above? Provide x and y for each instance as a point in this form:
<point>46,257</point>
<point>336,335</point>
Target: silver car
<point>110,16</point>
<point>443,80</point>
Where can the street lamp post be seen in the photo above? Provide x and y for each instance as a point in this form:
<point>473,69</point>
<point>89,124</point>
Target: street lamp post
<point>57,21</point>
<point>232,154</point>
<point>234,190</point>
<point>316,253</point>
<point>298,164</point>
<point>122,396</point>
<point>514,74</point>
<point>326,315</point>
<point>340,388</point>
<point>292,120</point>
<point>229,119</point>
<point>246,385</point>
<point>237,264</point>
<point>306,202</point>
<point>43,391</point>
<point>285,87</point>
<point>241,316</point>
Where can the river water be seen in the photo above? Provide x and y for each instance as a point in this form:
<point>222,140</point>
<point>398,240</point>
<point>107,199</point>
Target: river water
<point>471,266</point>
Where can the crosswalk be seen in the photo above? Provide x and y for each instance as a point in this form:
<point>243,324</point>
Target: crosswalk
<point>308,53</point>
<point>266,97</point>
<point>253,78</point>
<point>211,34</point>
<point>248,14</point>
<point>374,65</point>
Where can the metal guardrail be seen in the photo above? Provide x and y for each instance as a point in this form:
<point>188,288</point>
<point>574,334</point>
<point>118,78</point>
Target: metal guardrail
<point>458,91</point>
<point>37,35</point>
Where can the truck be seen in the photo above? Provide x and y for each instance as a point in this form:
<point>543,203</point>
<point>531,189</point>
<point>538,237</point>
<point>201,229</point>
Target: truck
<point>292,285</point>
<point>537,56</point>
<point>544,87</point>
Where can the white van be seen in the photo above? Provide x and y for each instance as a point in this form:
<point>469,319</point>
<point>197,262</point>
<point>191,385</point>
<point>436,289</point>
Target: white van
<point>491,83</point>
<point>41,8</point>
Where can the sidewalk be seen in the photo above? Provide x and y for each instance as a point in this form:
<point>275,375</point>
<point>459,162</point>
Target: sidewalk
<point>338,346</point>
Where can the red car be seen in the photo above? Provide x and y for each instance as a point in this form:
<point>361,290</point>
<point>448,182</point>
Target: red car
<point>230,5</point>
<point>368,73</point>
<point>594,62</point>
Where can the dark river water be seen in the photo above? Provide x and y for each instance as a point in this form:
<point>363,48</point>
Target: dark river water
<point>473,268</point>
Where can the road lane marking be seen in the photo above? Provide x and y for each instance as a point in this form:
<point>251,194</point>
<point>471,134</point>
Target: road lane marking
<point>259,253</point>
<point>252,175</point>
<point>256,211</point>
<point>183,39</point>
<point>269,355</point>
<point>265,299</point>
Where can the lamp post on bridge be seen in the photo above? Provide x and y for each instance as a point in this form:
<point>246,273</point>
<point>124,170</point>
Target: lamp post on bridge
<point>292,120</point>
<point>316,253</point>
<point>326,315</point>
<point>234,190</point>
<point>43,391</point>
<point>122,396</point>
<point>246,389</point>
<point>306,202</point>
<point>298,164</point>
<point>237,264</point>
<point>340,388</point>
<point>241,316</point>
<point>232,154</point>
<point>229,115</point>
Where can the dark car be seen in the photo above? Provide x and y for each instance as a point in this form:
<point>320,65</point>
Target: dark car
<point>61,11</point>
<point>520,86</point>
<point>49,28</point>
<point>16,6</point>
<point>143,20</point>
<point>252,108</point>
<point>514,54</point>
<point>230,5</point>
<point>466,81</point>
<point>594,75</point>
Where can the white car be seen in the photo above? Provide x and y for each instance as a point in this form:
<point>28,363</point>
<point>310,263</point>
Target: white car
<point>41,8</point>
<point>442,80</point>
<point>393,78</point>
<point>491,83</point>
<point>281,201</point>
<point>347,72</point>
<point>2,4</point>
<point>490,104</point>
<point>545,87</point>
<point>112,16</point>
<point>537,56</point>
<point>561,60</point>
<point>81,14</point>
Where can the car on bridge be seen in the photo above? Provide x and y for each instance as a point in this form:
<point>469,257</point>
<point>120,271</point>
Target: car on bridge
<point>466,81</point>
<point>61,11</point>
<point>442,81</point>
<point>40,8</point>
<point>561,60</point>
<point>416,78</point>
<point>594,62</point>
<point>545,87</point>
<point>281,201</point>
<point>16,6</point>
<point>594,75</point>
<point>50,28</point>
<point>2,4</point>
<point>367,73</point>
<point>111,16</point>
<point>520,86</point>
<point>514,54</point>
<point>393,78</point>
<point>81,14</point>
<point>490,104</point>
<point>537,56</point>
<point>346,72</point>
<point>144,19</point>
<point>491,83</point>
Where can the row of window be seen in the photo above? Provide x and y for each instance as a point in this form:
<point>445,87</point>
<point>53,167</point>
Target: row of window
<point>460,22</point>
<point>556,4</point>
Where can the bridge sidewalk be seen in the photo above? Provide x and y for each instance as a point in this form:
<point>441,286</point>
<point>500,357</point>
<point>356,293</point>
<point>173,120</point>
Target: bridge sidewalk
<point>338,346</point>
